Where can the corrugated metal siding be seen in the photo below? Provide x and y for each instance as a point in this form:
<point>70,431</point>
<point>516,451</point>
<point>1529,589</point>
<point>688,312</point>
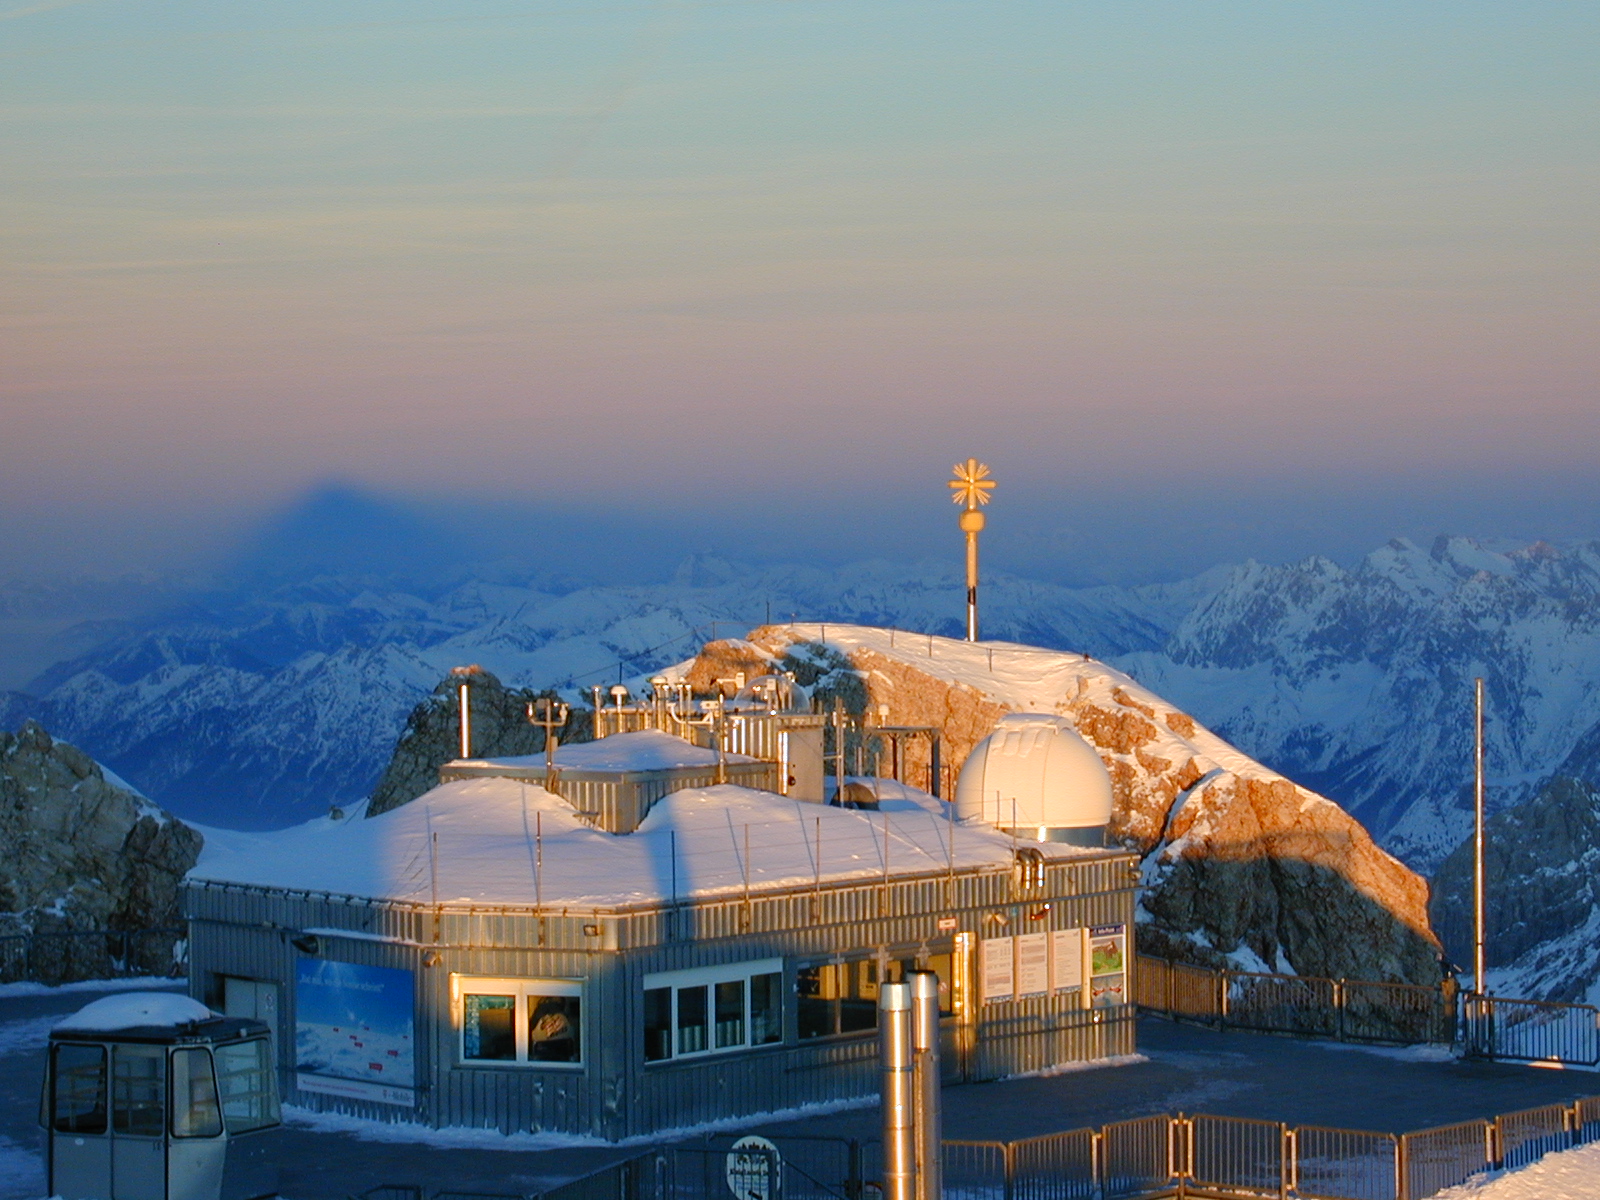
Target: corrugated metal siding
<point>246,931</point>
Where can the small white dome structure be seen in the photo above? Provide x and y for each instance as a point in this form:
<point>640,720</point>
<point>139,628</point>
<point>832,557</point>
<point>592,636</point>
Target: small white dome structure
<point>1036,776</point>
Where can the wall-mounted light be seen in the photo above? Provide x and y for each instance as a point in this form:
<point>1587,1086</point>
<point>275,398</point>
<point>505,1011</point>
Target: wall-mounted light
<point>307,943</point>
<point>431,958</point>
<point>591,930</point>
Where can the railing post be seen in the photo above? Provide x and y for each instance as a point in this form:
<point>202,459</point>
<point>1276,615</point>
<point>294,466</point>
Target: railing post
<point>1401,1188</point>
<point>1285,1160</point>
<point>853,1182</point>
<point>1010,1190</point>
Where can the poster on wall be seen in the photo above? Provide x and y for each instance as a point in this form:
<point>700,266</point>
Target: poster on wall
<point>1033,964</point>
<point>996,969</point>
<point>353,1031</point>
<point>1066,959</point>
<point>1108,975</point>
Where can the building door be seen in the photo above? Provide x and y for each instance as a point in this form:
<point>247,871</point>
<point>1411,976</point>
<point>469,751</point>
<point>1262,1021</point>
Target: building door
<point>256,998</point>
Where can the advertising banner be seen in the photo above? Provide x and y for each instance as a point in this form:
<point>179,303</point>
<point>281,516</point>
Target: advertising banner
<point>353,1031</point>
<point>1108,946</point>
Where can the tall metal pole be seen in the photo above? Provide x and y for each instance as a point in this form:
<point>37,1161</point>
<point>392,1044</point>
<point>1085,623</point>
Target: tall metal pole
<point>1478,963</point>
<point>466,724</point>
<point>899,1097</point>
<point>928,1128</point>
<point>971,488</point>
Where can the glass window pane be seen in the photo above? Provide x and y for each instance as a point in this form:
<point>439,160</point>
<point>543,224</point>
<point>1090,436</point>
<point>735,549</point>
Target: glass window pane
<point>694,1017</point>
<point>139,1090</point>
<point>817,992</point>
<point>246,1081</point>
<point>80,1097</point>
<point>730,1014</point>
<point>657,1024</point>
<point>766,1009</point>
<point>194,1095</point>
<point>488,1028</point>
<point>554,1029</point>
<point>858,1007</point>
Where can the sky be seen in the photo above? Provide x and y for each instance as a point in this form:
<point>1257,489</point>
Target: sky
<point>1199,280</point>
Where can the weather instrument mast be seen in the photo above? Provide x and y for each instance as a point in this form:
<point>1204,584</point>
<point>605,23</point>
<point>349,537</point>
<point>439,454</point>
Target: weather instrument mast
<point>970,489</point>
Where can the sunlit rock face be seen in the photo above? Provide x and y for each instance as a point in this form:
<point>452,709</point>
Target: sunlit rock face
<point>80,853</point>
<point>1241,866</point>
<point>432,736</point>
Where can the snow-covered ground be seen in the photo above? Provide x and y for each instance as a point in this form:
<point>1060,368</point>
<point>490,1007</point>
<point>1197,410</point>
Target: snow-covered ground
<point>1567,1175</point>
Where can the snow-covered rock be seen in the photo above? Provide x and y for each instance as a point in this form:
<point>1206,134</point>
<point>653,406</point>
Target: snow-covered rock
<point>1239,861</point>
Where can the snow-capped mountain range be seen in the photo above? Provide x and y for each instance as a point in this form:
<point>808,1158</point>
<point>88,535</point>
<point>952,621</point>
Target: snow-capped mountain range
<point>255,709</point>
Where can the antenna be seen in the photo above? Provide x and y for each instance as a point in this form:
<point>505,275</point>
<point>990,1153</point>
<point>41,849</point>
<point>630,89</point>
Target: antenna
<point>1478,956</point>
<point>551,716</point>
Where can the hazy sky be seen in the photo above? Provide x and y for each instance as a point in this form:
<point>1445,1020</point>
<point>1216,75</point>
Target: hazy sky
<point>1197,279</point>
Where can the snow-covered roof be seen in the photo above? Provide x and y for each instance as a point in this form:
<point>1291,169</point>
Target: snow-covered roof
<point>489,833</point>
<point>135,1010</point>
<point>646,750</point>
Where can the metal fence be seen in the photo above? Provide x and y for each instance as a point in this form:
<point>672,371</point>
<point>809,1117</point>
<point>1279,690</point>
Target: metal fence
<point>1148,1158</point>
<point>65,956</point>
<point>1308,1006</point>
<point>1531,1030</point>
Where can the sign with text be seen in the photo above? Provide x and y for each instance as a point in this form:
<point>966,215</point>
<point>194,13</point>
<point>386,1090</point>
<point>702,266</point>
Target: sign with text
<point>996,969</point>
<point>1066,959</point>
<point>1033,964</point>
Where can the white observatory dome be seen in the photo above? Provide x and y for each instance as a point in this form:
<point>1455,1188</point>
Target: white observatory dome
<point>1035,775</point>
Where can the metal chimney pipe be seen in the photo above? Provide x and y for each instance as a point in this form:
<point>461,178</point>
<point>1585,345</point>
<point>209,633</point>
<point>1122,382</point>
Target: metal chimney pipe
<point>928,1125</point>
<point>894,1048</point>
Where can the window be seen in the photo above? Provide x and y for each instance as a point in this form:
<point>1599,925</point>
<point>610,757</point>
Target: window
<point>842,997</point>
<point>766,1009</point>
<point>489,1027</point>
<point>139,1090</point>
<point>528,1022</point>
<point>79,1104</point>
<point>244,1079</point>
<point>657,1024</point>
<point>194,1095</point>
<point>712,1009</point>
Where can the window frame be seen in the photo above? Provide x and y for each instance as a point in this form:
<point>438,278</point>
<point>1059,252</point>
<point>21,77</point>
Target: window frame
<point>708,978</point>
<point>520,989</point>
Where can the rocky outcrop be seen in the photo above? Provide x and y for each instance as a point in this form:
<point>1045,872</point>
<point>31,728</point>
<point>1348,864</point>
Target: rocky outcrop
<point>82,854</point>
<point>1241,866</point>
<point>1542,895</point>
<point>432,736</point>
